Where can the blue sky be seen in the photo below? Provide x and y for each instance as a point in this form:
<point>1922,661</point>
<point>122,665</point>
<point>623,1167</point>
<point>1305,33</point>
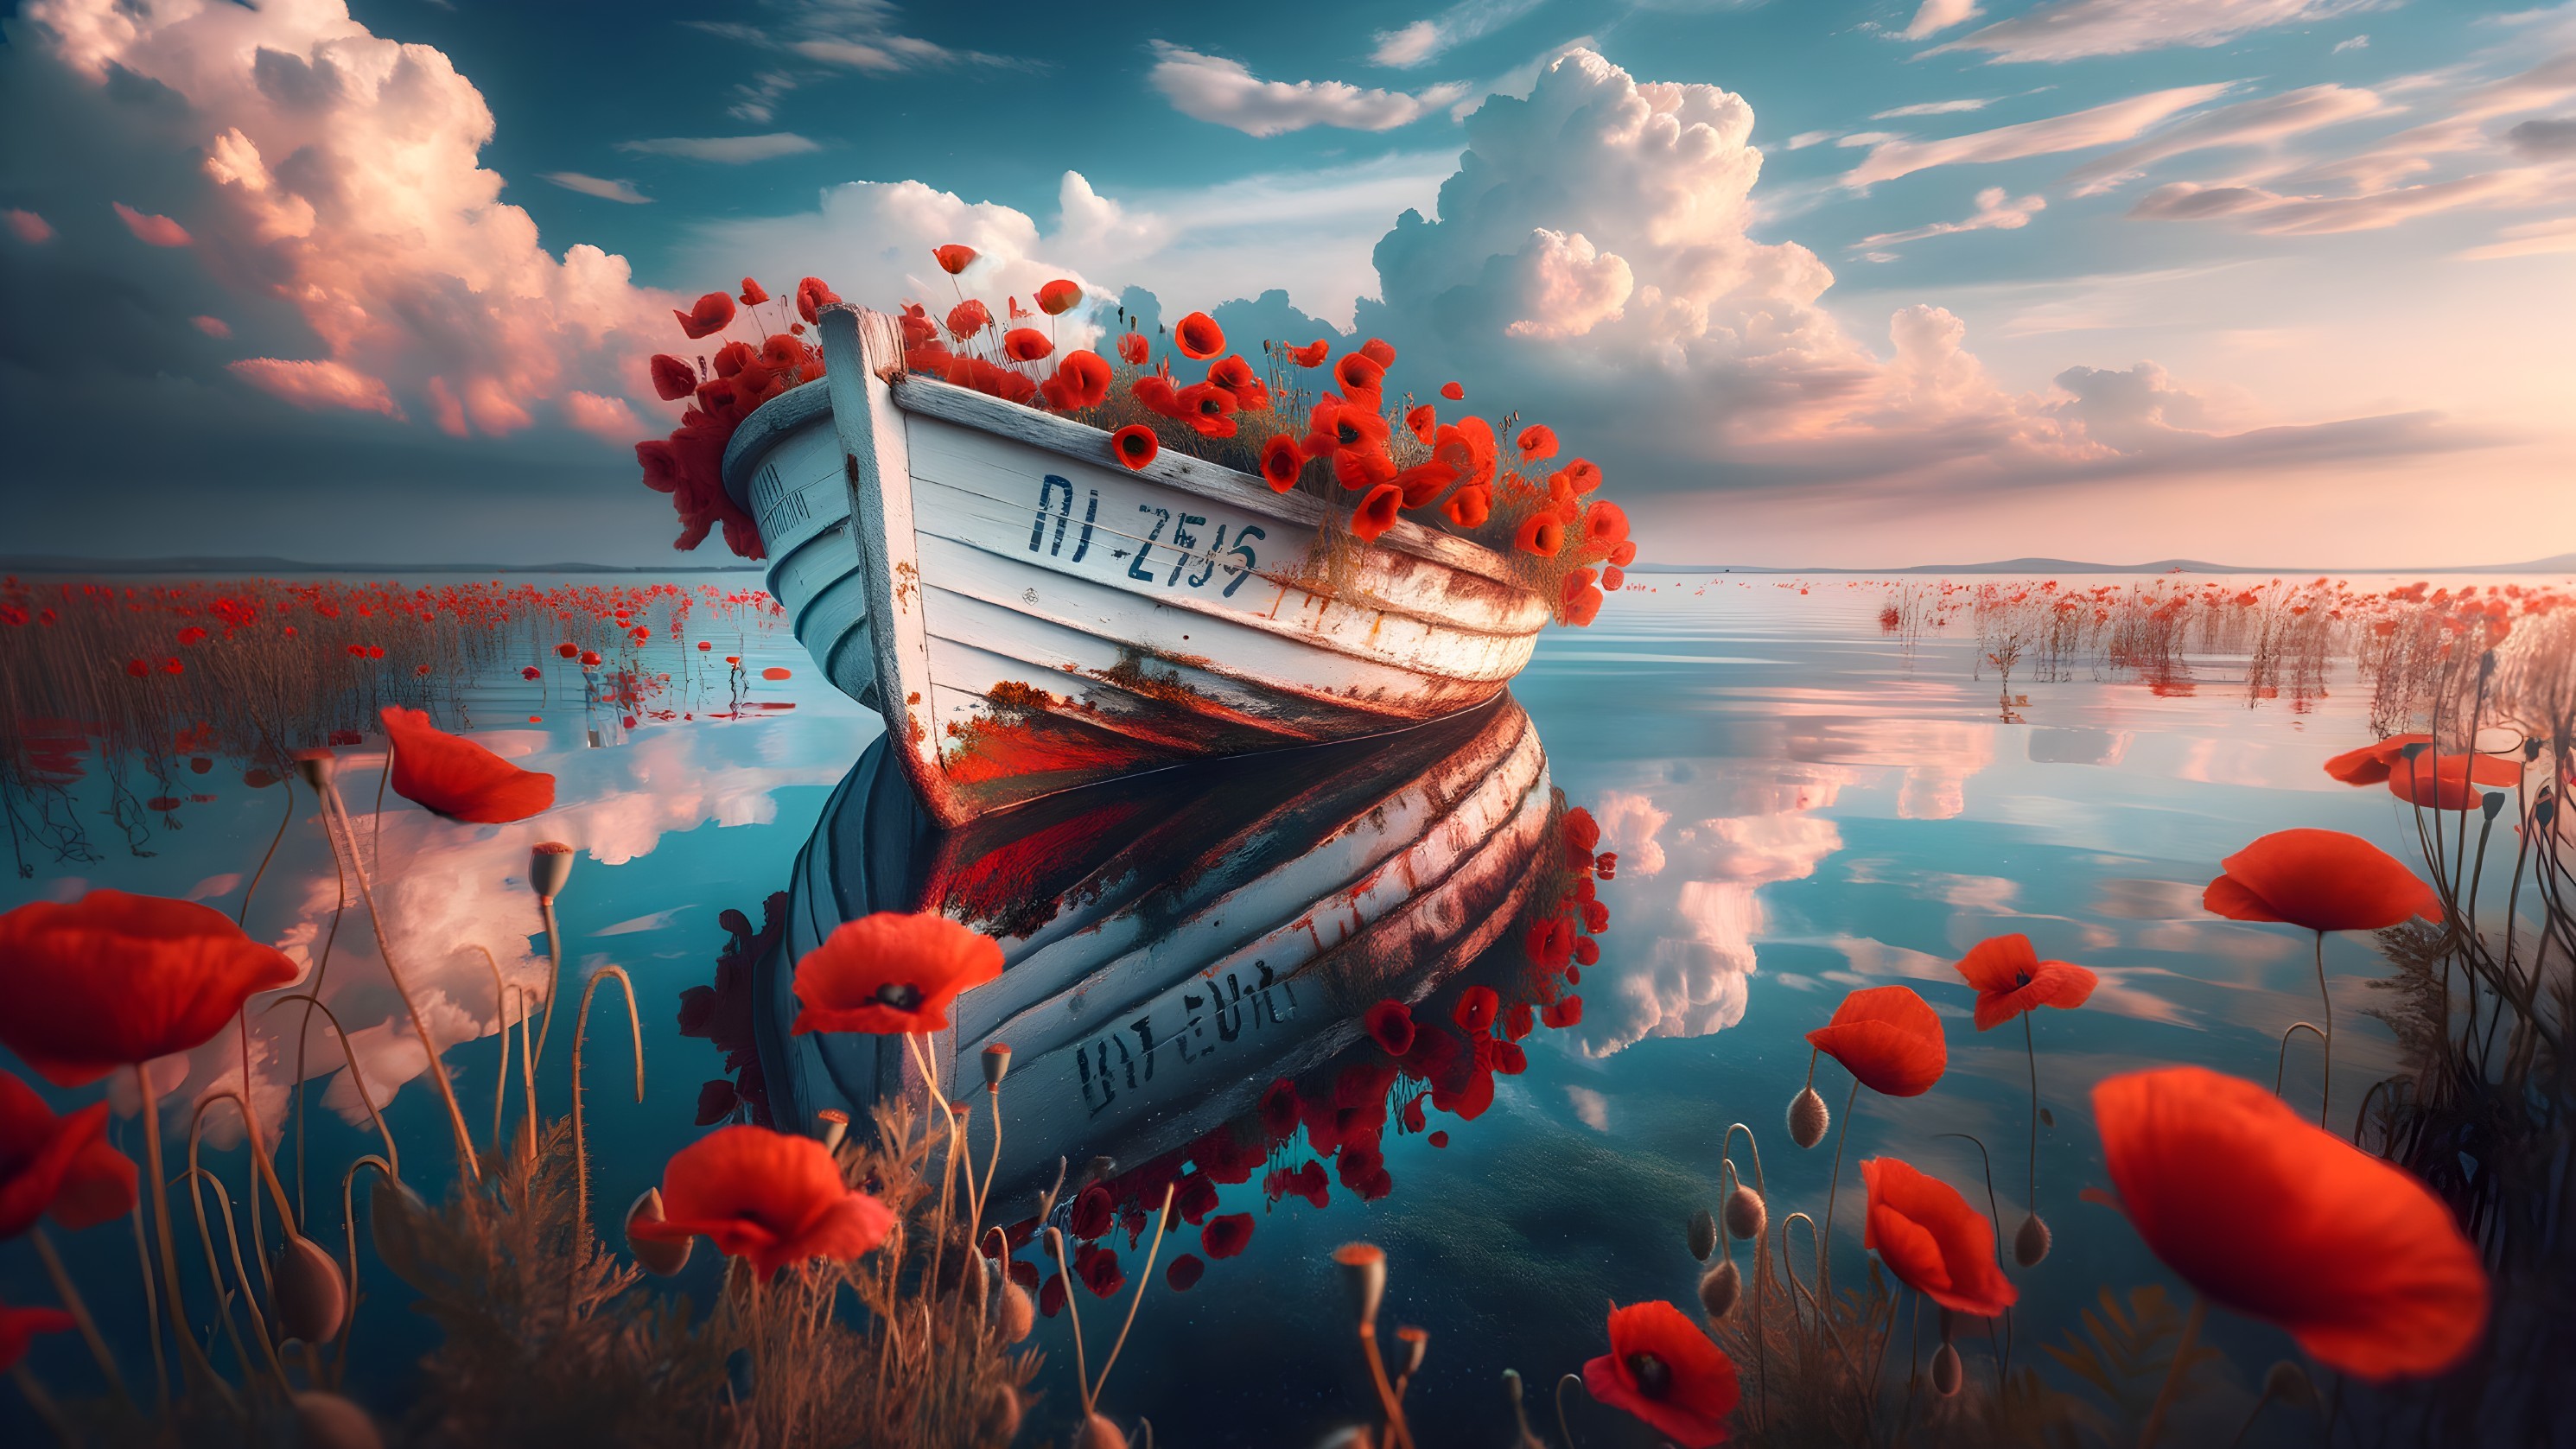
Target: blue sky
<point>1863,284</point>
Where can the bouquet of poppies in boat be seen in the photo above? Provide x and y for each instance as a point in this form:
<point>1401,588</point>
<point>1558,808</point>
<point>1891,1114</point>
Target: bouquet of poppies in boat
<point>1302,418</point>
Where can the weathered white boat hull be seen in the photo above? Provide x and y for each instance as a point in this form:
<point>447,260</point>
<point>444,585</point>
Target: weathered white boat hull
<point>1029,615</point>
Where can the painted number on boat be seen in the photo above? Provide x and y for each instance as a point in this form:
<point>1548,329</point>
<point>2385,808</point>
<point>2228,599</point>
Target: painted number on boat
<point>1110,1065</point>
<point>1189,555</point>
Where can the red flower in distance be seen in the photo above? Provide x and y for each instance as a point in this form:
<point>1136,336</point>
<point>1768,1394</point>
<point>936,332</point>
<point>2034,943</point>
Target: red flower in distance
<point>1453,392</point>
<point>769,1197</point>
<point>1390,1025</point>
<point>2011,979</point>
<point>458,778</point>
<point>1058,297</point>
<point>1888,1037</point>
<point>673,379</point>
<point>709,315</point>
<point>1377,512</point>
<point>2324,880</point>
<point>60,1165</point>
<point>1663,1369</point>
<point>1198,337</point>
<point>1281,463</point>
<point>891,972</point>
<point>1133,348</point>
<point>753,294</point>
<point>1537,442</point>
<point>1312,354</point>
<point>2279,1220</point>
<point>954,258</point>
<point>1135,445</point>
<point>114,980</point>
<point>1932,1240</point>
<point>1225,1236</point>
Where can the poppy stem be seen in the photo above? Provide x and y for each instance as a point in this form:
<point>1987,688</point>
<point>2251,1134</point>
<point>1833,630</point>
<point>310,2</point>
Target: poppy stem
<point>2325,1099</point>
<point>2173,1376</point>
<point>1073,1310</point>
<point>554,976</point>
<point>580,1034</point>
<point>190,1356</point>
<point>2030,1047</point>
<point>1162,1219</point>
<point>151,1310</point>
<point>349,1224</point>
<point>242,916</point>
<point>1825,1242</point>
<point>1761,1262</point>
<point>78,1309</point>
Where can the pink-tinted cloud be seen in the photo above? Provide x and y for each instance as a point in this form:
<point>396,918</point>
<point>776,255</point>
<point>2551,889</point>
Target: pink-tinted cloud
<point>2102,125</point>
<point>152,231</point>
<point>609,418</point>
<point>215,327</point>
<point>2074,29</point>
<point>28,227</point>
<point>318,384</point>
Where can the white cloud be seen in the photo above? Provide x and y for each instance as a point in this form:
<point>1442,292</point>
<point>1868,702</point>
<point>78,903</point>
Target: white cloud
<point>1590,1107</point>
<point>1570,287</point>
<point>1805,139</point>
<point>2101,125</point>
<point>1932,108</point>
<point>2358,42</point>
<point>2073,29</point>
<point>1996,211</point>
<point>2278,214</point>
<point>1213,88</point>
<point>1424,41</point>
<point>731,150</point>
<point>599,186</point>
<point>1935,16</point>
<point>2262,121</point>
<point>2531,239</point>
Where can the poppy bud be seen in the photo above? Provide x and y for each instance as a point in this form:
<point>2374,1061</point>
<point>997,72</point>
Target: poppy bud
<point>2493,803</point>
<point>656,1256</point>
<point>2030,1243</point>
<point>308,1292</point>
<point>1946,1373</point>
<point>1703,1234</point>
<point>549,867</point>
<point>1015,1313</point>
<point>1364,1270</point>
<point>1099,1433</point>
<point>2047,1118</point>
<point>1418,1340</point>
<point>997,1060</point>
<point>1808,1118</point>
<point>1001,1421</point>
<point>2290,1384</point>
<point>1719,1288</point>
<point>1746,1216</point>
<point>328,1421</point>
<point>836,1125</point>
<point>315,767</point>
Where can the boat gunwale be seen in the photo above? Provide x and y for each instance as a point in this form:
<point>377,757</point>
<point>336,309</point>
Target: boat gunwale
<point>774,421</point>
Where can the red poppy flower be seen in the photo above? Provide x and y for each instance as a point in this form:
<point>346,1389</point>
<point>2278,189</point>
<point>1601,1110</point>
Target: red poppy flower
<point>114,980</point>
<point>1377,512</point>
<point>1235,375</point>
<point>2279,1220</point>
<point>19,1327</point>
<point>968,318</point>
<point>458,778</point>
<point>1198,337</point>
<point>1058,297</point>
<point>1568,591</point>
<point>589,658</point>
<point>1379,351</point>
<point>60,1165</point>
<point>1135,445</point>
<point>2324,880</point>
<point>1312,354</point>
<point>1611,578</point>
<point>1207,408</point>
<point>1357,372</point>
<point>708,316</point>
<point>1537,441</point>
<point>1082,378</point>
<point>753,294</point>
<point>2370,764</point>
<point>1425,422</point>
<point>1026,344</point>
<point>1475,1010</point>
<point>1132,348</point>
<point>1098,1269</point>
<point>1453,392</point>
<point>1549,944</point>
<point>1518,1020</point>
<point>1541,534</point>
<point>2448,782</point>
<point>568,650</point>
<point>774,1198</point>
<point>1605,525</point>
<point>2011,979</point>
<point>1390,1025</point>
<point>812,297</point>
<point>1579,611</point>
<point>1932,1240</point>
<point>782,355</point>
<point>891,972</point>
<point>1564,1012</point>
<point>1185,1272</point>
<point>1225,1236</point>
<point>1664,1370</point>
<point>1888,1037</point>
<point>673,379</point>
<point>954,258</point>
<point>1469,507</point>
<point>1279,1108</point>
<point>1194,1198</point>
<point>1582,475</point>
<point>1093,1212</point>
<point>1051,1297</point>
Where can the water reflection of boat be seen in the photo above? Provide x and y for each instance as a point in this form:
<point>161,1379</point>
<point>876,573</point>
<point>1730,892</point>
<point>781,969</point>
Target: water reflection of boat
<point>1172,943</point>
<point>1029,615</point>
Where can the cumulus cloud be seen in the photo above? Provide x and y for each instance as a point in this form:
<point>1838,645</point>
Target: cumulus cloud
<point>1424,41</point>
<point>2101,125</point>
<point>1213,88</point>
<point>152,231</point>
<point>1997,210</point>
<point>28,227</point>
<point>2074,29</point>
<point>1570,287</point>
<point>599,186</point>
<point>730,150</point>
<point>340,180</point>
<point>1934,16</point>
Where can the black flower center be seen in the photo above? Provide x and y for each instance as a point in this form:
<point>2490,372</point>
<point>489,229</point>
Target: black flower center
<point>901,995</point>
<point>2020,979</point>
<point>1654,1380</point>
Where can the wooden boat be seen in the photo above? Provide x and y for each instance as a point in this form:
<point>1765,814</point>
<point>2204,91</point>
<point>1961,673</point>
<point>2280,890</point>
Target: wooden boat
<point>1174,944</point>
<point>1029,615</point>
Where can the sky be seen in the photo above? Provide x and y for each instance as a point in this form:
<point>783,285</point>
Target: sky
<point>2277,282</point>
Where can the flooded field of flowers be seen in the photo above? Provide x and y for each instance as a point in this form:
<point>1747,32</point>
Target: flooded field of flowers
<point>2054,1012</point>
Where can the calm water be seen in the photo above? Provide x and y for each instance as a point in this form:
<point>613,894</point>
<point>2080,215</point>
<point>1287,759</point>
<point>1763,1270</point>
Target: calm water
<point>1800,803</point>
